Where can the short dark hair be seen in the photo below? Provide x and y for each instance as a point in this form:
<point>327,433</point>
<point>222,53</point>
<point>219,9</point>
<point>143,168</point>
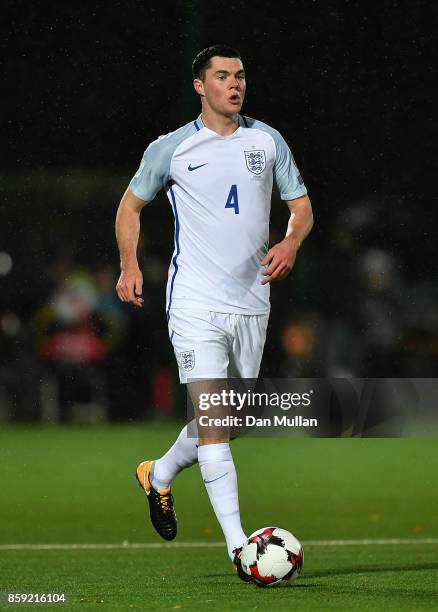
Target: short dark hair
<point>203,60</point>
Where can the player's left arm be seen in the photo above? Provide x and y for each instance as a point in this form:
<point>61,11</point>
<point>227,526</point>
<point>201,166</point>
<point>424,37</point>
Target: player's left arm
<point>280,258</point>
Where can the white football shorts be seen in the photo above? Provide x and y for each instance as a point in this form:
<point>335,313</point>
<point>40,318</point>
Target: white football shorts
<point>217,345</point>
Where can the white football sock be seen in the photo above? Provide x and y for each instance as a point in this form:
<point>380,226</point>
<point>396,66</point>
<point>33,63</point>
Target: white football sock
<point>182,454</point>
<point>220,479</point>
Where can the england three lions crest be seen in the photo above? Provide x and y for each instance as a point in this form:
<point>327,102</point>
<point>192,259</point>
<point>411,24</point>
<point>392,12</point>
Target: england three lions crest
<point>255,161</point>
<point>187,360</point>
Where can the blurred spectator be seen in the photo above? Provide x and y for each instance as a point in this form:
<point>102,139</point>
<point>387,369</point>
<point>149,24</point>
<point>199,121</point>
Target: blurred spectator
<point>299,342</point>
<point>381,314</point>
<point>19,383</point>
<point>76,334</point>
<point>362,303</point>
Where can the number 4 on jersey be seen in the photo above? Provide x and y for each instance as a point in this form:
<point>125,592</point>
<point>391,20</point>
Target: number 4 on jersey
<point>233,200</point>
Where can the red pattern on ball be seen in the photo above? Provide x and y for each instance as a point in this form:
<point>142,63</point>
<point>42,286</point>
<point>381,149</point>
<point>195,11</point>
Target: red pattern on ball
<point>258,577</point>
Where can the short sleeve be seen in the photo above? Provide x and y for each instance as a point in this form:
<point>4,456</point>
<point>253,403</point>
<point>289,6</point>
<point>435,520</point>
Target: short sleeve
<point>153,172</point>
<point>287,176</point>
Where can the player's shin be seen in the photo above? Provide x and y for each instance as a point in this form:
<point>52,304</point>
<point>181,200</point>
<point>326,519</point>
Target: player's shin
<point>220,479</point>
<point>182,454</point>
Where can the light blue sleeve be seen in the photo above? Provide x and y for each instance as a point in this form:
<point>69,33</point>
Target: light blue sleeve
<point>286,174</point>
<point>153,173</point>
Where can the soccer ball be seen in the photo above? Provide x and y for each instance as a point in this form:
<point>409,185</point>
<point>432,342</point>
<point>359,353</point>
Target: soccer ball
<point>272,557</point>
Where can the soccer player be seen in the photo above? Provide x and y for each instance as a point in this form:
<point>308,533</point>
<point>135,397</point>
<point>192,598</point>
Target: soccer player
<point>218,173</point>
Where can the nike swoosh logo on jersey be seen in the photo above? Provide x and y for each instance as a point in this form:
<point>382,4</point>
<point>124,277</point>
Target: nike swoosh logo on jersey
<point>214,479</point>
<point>191,168</point>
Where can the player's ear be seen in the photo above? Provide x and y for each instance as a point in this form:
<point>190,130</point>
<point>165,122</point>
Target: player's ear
<point>199,87</point>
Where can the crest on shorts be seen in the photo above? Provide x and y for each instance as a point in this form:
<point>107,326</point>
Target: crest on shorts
<point>255,161</point>
<point>187,360</point>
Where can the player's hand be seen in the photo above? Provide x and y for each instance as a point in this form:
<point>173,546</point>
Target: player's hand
<point>130,286</point>
<point>279,260</point>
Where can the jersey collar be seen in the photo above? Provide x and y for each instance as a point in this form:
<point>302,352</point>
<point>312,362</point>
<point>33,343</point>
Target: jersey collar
<point>199,125</point>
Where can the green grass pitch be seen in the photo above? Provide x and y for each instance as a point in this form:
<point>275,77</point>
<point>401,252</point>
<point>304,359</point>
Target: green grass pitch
<point>75,485</point>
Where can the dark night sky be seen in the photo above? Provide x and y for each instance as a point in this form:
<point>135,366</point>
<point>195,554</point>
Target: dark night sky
<point>349,84</point>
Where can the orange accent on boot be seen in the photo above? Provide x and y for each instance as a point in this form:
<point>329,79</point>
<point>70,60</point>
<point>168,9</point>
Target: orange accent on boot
<point>142,474</point>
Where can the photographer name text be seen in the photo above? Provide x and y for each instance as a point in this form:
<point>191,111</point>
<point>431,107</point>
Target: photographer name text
<point>252,421</point>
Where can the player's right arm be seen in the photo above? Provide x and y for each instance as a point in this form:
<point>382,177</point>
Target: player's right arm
<point>151,176</point>
<point>130,283</point>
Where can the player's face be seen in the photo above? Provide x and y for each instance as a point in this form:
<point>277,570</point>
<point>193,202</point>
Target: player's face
<point>224,85</point>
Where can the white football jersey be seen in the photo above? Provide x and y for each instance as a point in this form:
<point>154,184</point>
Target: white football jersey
<point>220,190</point>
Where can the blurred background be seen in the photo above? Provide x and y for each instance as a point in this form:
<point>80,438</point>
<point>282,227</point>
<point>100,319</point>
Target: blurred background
<point>88,86</point>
